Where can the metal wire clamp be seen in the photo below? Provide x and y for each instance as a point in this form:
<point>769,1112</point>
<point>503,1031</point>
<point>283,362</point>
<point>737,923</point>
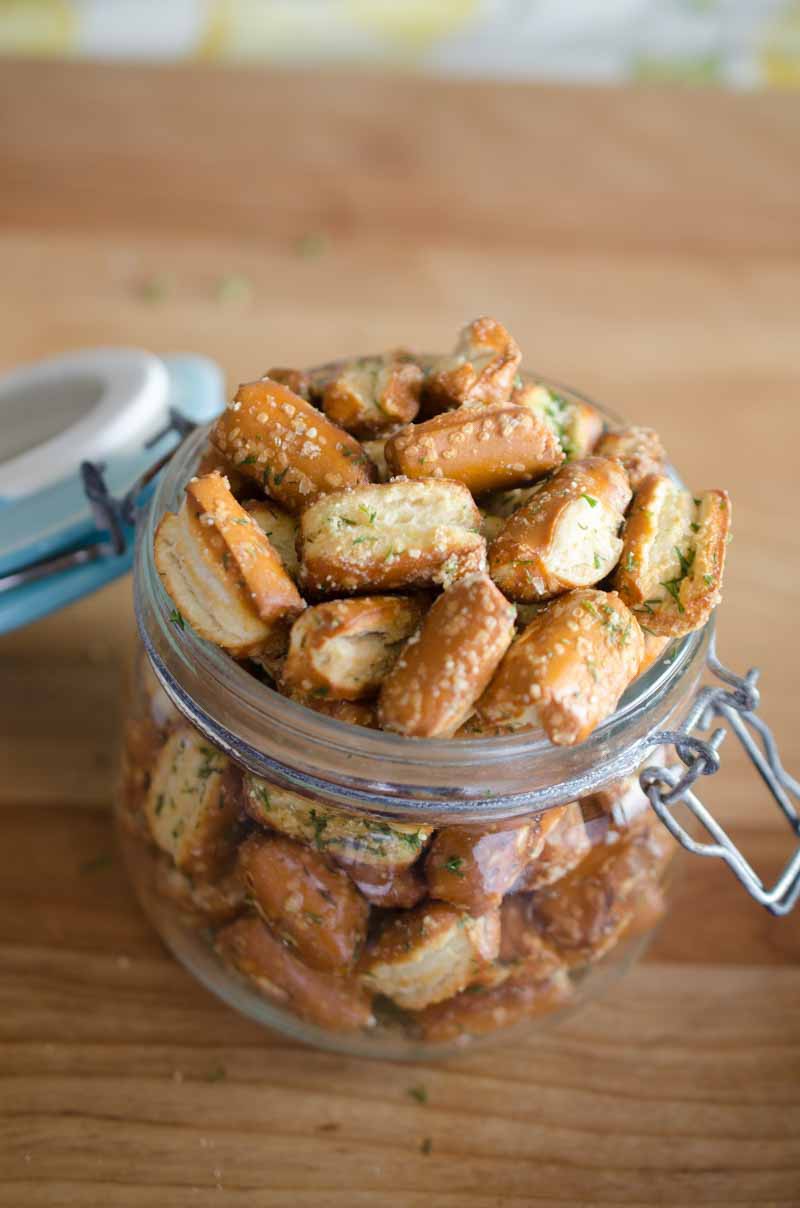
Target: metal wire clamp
<point>735,700</point>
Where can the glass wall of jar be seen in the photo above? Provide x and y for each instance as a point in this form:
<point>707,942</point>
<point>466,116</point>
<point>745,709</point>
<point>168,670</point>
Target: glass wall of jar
<point>371,893</point>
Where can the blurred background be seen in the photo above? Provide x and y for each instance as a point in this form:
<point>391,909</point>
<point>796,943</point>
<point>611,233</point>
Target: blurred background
<point>731,43</point>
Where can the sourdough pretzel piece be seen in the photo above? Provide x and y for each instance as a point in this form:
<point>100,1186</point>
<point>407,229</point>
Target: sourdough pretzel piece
<point>639,449</point>
<point>390,536</point>
<point>344,649</point>
<point>566,535</point>
<point>445,666</point>
<point>487,448</point>
<point>312,906</point>
<point>673,556</point>
<point>342,836</point>
<point>521,945</point>
<point>479,1011</point>
<point>280,527</point>
<point>297,380</point>
<point>388,888</point>
<point>373,394</point>
<point>563,849</point>
<point>473,867</point>
<point>192,804</point>
<point>568,669</point>
<point>328,1000</point>
<point>222,574</point>
<point>294,453</point>
<point>351,712</point>
<point>584,914</point>
<point>429,953</point>
<point>577,425</point>
<point>199,901</point>
<point>482,369</point>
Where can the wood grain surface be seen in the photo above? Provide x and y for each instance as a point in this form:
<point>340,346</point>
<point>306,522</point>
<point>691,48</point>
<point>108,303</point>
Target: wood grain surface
<point>643,245</point>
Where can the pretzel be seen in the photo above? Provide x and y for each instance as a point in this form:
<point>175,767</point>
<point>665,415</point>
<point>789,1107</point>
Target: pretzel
<point>210,902</point>
<point>445,666</point>
<point>328,1000</point>
<point>344,649</point>
<point>563,848</point>
<point>390,536</point>
<point>639,449</point>
<point>375,450</point>
<point>521,945</point>
<point>585,913</point>
<point>280,528</point>
<point>473,867</point>
<point>673,556</point>
<point>309,904</point>
<point>296,380</point>
<point>577,425</point>
<point>342,836</point>
<point>566,535</point>
<point>351,712</point>
<point>482,369</point>
<point>480,1011</point>
<point>294,453</point>
<point>222,574</point>
<point>391,889</point>
<point>373,394</point>
<point>192,804</point>
<point>568,669</point>
<point>429,953</point>
<point>487,448</point>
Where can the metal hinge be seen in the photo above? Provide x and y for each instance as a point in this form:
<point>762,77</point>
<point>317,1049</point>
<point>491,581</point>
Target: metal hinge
<point>735,702</point>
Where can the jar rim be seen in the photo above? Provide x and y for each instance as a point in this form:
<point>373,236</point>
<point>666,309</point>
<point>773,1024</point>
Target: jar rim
<point>471,779</point>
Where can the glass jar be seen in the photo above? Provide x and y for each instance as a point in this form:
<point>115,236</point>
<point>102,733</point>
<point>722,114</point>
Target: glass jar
<point>369,893</point>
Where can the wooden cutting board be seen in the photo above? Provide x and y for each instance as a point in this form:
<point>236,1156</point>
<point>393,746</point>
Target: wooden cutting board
<point>644,245</point>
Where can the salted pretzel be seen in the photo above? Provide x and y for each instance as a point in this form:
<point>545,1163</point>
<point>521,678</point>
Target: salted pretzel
<point>445,666</point>
<point>563,848</point>
<point>577,425</point>
<point>673,556</point>
<point>568,669</point>
<point>285,445</point>
<point>428,954</point>
<point>480,1010</point>
<point>333,1002</point>
<point>566,535</point>
<point>372,395</point>
<point>343,649</point>
<point>639,449</point>
<point>312,905</point>
<point>482,369</point>
<point>192,804</point>
<point>390,536</point>
<point>487,448</point>
<point>473,867</point>
<point>344,837</point>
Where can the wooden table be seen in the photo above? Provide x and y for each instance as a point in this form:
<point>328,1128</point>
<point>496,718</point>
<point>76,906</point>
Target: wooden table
<point>645,245</point>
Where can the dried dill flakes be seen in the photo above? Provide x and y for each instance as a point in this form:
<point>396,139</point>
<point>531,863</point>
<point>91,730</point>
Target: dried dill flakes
<point>426,1145</point>
<point>177,619</point>
<point>157,288</point>
<point>218,1074</point>
<point>311,245</point>
<point>419,1093</point>
<point>453,864</point>
<point>94,865</point>
<point>590,499</point>
<point>233,287</point>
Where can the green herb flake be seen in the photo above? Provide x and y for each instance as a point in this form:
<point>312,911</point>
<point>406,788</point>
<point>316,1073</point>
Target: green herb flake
<point>518,382</point>
<point>694,527</point>
<point>311,245</point>
<point>412,839</point>
<point>278,478</point>
<point>590,499</point>
<point>347,520</point>
<point>709,580</point>
<point>157,288</point>
<point>319,824</point>
<point>419,1093</point>
<point>218,1074</point>
<point>630,561</point>
<point>233,287</point>
<point>322,690</point>
<point>263,796</point>
<point>95,865</point>
<point>426,1146</point>
<point>249,461</point>
<point>314,918</point>
<point>589,607</point>
<point>369,513</point>
<point>673,586</point>
<point>177,619</point>
<point>159,804</point>
<point>242,520</point>
<point>453,864</point>
<point>597,562</point>
<point>685,561</point>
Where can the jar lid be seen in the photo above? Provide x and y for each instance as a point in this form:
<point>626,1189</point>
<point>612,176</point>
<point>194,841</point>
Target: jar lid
<point>81,438</point>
